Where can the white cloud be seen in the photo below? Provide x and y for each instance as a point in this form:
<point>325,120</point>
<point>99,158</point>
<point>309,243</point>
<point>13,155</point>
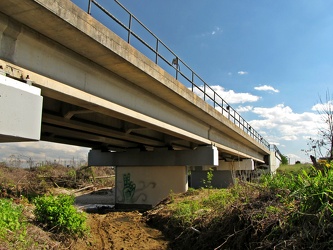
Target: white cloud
<point>291,131</point>
<point>266,88</point>
<point>321,107</point>
<point>289,138</point>
<point>229,96</point>
<point>215,31</point>
<point>242,73</point>
<point>281,123</point>
<point>243,109</point>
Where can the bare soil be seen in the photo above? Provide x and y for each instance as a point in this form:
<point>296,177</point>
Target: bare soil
<point>114,229</point>
<point>120,230</point>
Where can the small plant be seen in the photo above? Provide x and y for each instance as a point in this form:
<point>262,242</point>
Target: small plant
<point>208,181</point>
<point>59,214</point>
<point>172,196</point>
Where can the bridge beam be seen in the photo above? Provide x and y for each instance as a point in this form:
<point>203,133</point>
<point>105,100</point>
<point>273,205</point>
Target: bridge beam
<point>20,110</point>
<point>207,155</point>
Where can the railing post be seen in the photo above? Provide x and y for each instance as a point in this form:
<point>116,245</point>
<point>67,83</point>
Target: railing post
<point>89,7</point>
<point>129,28</point>
<point>204,91</point>
<point>156,51</point>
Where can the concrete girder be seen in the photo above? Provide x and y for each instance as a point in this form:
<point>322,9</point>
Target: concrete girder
<point>206,155</point>
<point>77,125</point>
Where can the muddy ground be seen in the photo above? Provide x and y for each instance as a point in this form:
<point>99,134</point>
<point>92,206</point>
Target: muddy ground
<point>120,231</point>
<point>112,229</point>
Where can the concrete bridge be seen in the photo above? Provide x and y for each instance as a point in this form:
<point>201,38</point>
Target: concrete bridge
<point>67,78</point>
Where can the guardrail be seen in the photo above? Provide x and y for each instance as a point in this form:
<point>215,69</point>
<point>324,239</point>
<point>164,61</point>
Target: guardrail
<point>159,50</point>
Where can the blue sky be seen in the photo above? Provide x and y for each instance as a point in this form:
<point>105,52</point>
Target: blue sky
<point>271,60</point>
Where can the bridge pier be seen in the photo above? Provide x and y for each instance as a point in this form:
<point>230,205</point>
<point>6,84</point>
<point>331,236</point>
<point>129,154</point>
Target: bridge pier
<point>145,186</point>
<point>144,178</point>
<point>223,174</point>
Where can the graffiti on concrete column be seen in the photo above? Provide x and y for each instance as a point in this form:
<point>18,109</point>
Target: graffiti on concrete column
<point>129,188</point>
<point>130,191</point>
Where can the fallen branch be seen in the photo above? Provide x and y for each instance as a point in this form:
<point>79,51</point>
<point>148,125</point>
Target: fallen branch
<point>81,189</point>
<point>102,177</point>
<point>231,235</point>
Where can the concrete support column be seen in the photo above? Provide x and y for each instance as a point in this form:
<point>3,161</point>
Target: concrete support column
<point>144,187</point>
<point>274,161</point>
<point>223,174</point>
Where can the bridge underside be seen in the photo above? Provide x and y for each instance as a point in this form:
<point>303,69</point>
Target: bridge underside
<point>105,95</point>
<point>75,125</point>
<point>72,124</point>
<point>73,117</point>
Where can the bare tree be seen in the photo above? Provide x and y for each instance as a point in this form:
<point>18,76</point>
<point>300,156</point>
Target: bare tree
<point>324,144</point>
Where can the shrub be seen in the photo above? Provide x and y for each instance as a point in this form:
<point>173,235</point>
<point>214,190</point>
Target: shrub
<point>59,214</point>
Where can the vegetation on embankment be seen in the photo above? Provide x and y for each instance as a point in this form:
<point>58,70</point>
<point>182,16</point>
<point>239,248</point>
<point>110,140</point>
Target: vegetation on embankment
<point>290,210</point>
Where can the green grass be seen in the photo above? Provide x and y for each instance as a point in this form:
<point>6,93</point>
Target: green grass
<point>191,208</point>
<point>293,168</point>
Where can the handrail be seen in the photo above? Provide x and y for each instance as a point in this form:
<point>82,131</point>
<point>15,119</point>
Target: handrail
<point>205,91</point>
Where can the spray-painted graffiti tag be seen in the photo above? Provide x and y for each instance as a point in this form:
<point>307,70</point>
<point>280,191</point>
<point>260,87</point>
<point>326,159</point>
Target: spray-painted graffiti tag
<point>129,188</point>
<point>130,192</point>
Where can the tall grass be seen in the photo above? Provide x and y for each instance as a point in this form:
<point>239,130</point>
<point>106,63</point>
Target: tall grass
<point>312,189</point>
<point>296,168</point>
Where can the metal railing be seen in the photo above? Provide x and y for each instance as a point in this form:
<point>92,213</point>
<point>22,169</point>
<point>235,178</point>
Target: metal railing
<point>200,87</point>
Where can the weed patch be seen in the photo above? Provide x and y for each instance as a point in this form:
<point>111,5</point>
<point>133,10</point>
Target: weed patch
<point>58,214</point>
<point>13,226</point>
